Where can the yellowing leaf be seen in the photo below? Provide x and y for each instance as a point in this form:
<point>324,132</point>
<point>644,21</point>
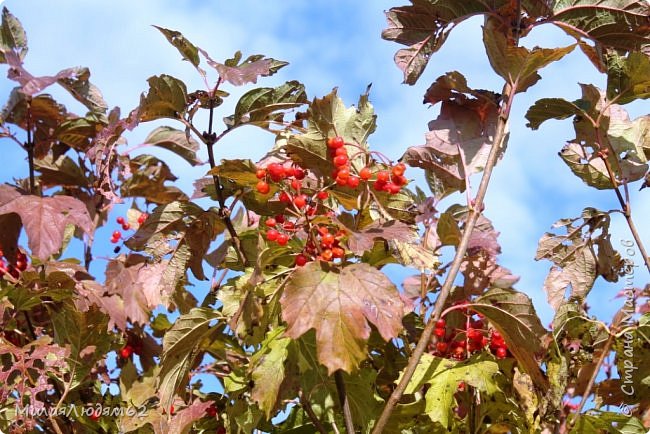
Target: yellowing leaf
<point>339,303</point>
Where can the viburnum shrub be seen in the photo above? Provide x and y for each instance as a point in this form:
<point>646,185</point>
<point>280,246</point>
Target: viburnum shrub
<point>302,329</point>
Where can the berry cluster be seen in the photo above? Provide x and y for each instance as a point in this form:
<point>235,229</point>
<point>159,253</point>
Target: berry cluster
<point>459,344</point>
<point>133,346</point>
<point>117,235</point>
<point>320,241</point>
<point>13,269</point>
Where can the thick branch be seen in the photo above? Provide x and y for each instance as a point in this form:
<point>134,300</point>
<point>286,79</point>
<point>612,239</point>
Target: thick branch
<point>475,212</point>
<point>345,404</point>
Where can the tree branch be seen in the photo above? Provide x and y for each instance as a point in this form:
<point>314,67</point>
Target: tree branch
<point>343,399</point>
<point>475,212</point>
<point>306,405</point>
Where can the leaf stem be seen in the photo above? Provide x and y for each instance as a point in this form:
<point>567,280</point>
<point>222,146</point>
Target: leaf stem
<point>29,146</point>
<point>345,403</point>
<point>475,212</point>
<point>306,405</point>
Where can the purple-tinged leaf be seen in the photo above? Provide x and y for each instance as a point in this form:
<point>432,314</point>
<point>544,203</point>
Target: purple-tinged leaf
<point>176,141</point>
<point>361,241</point>
<point>188,50</point>
<point>12,36</point>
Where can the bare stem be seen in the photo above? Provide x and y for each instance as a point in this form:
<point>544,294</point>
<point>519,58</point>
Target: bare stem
<point>345,404</point>
<point>29,146</point>
<point>306,405</point>
<point>475,212</point>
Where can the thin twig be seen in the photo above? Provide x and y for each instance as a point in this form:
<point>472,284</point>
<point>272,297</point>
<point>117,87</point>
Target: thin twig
<point>345,403</point>
<point>306,405</point>
<point>475,212</point>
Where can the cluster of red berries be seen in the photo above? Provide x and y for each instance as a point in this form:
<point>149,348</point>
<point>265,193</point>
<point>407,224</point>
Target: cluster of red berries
<point>117,235</point>
<point>14,269</point>
<point>459,344</point>
<point>389,181</point>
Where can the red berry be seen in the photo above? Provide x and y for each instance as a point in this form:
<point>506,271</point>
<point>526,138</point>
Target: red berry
<point>353,182</point>
<point>211,411</point>
<point>383,176</point>
<point>365,173</point>
<point>441,323</point>
<point>279,218</point>
<point>399,180</point>
<point>270,222</point>
<point>343,173</point>
<point>263,187</point>
<point>477,324</point>
<point>295,184</point>
<point>120,220</point>
<point>21,265</point>
<point>126,352</point>
<point>117,235</point>
<point>392,188</point>
<point>327,240</point>
<point>327,255</point>
<point>322,195</point>
<point>379,185</point>
<point>300,201</point>
<point>338,252</point>
<point>298,173</point>
<point>301,260</point>
<point>474,335</point>
<point>341,181</point>
<point>95,414</point>
<point>341,151</point>
<point>276,171</point>
<point>335,142</point>
<point>288,226</point>
<point>284,197</point>
<point>260,173</point>
<point>142,217</point>
<point>283,239</point>
<point>398,169</point>
<point>501,353</point>
<point>461,386</point>
<point>126,226</point>
<point>340,160</point>
<point>171,409</point>
<point>115,240</point>
<point>439,332</point>
<point>272,235</point>
<point>442,346</point>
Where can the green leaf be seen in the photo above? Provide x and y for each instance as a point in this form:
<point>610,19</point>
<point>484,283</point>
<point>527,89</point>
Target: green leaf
<point>339,303</point>
<point>550,108</point>
<point>265,106</point>
<point>166,98</point>
<point>628,77</point>
<point>267,370</point>
<point>519,65</point>
<point>182,345</point>
<point>443,377</point>
<point>620,24</point>
<point>513,315</point>
<point>85,92</point>
<point>179,142</point>
<point>588,167</point>
<point>12,36</point>
<point>188,50</point>
<point>597,422</point>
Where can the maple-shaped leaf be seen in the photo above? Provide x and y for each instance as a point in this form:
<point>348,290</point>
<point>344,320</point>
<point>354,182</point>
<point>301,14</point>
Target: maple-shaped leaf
<point>513,315</point>
<point>180,345</point>
<point>267,370</point>
<point>93,293</point>
<point>264,107</point>
<point>182,420</point>
<point>238,72</point>
<point>339,303</point>
<point>45,218</point>
<point>457,144</point>
<point>176,141</point>
<point>519,65</point>
<point>12,36</point>
<point>166,98</point>
<point>620,24</point>
<point>188,50</point>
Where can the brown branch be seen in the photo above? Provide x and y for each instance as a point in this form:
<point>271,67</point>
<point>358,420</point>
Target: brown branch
<point>345,403</point>
<point>475,212</point>
<point>306,405</point>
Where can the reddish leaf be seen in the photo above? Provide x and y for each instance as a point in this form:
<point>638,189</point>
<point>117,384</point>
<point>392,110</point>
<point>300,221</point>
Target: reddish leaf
<point>45,218</point>
<point>182,420</point>
<point>339,303</point>
<point>363,240</point>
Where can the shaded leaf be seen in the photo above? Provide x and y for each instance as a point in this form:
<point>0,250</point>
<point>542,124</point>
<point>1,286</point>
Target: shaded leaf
<point>550,108</point>
<point>45,218</point>
<point>166,98</point>
<point>84,91</point>
<point>361,241</point>
<point>513,315</point>
<point>176,141</point>
<point>12,36</point>
<point>60,171</point>
<point>180,351</point>
<point>339,304</point>
<point>628,78</point>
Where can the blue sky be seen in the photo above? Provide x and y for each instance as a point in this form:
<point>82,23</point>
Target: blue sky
<point>334,43</point>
